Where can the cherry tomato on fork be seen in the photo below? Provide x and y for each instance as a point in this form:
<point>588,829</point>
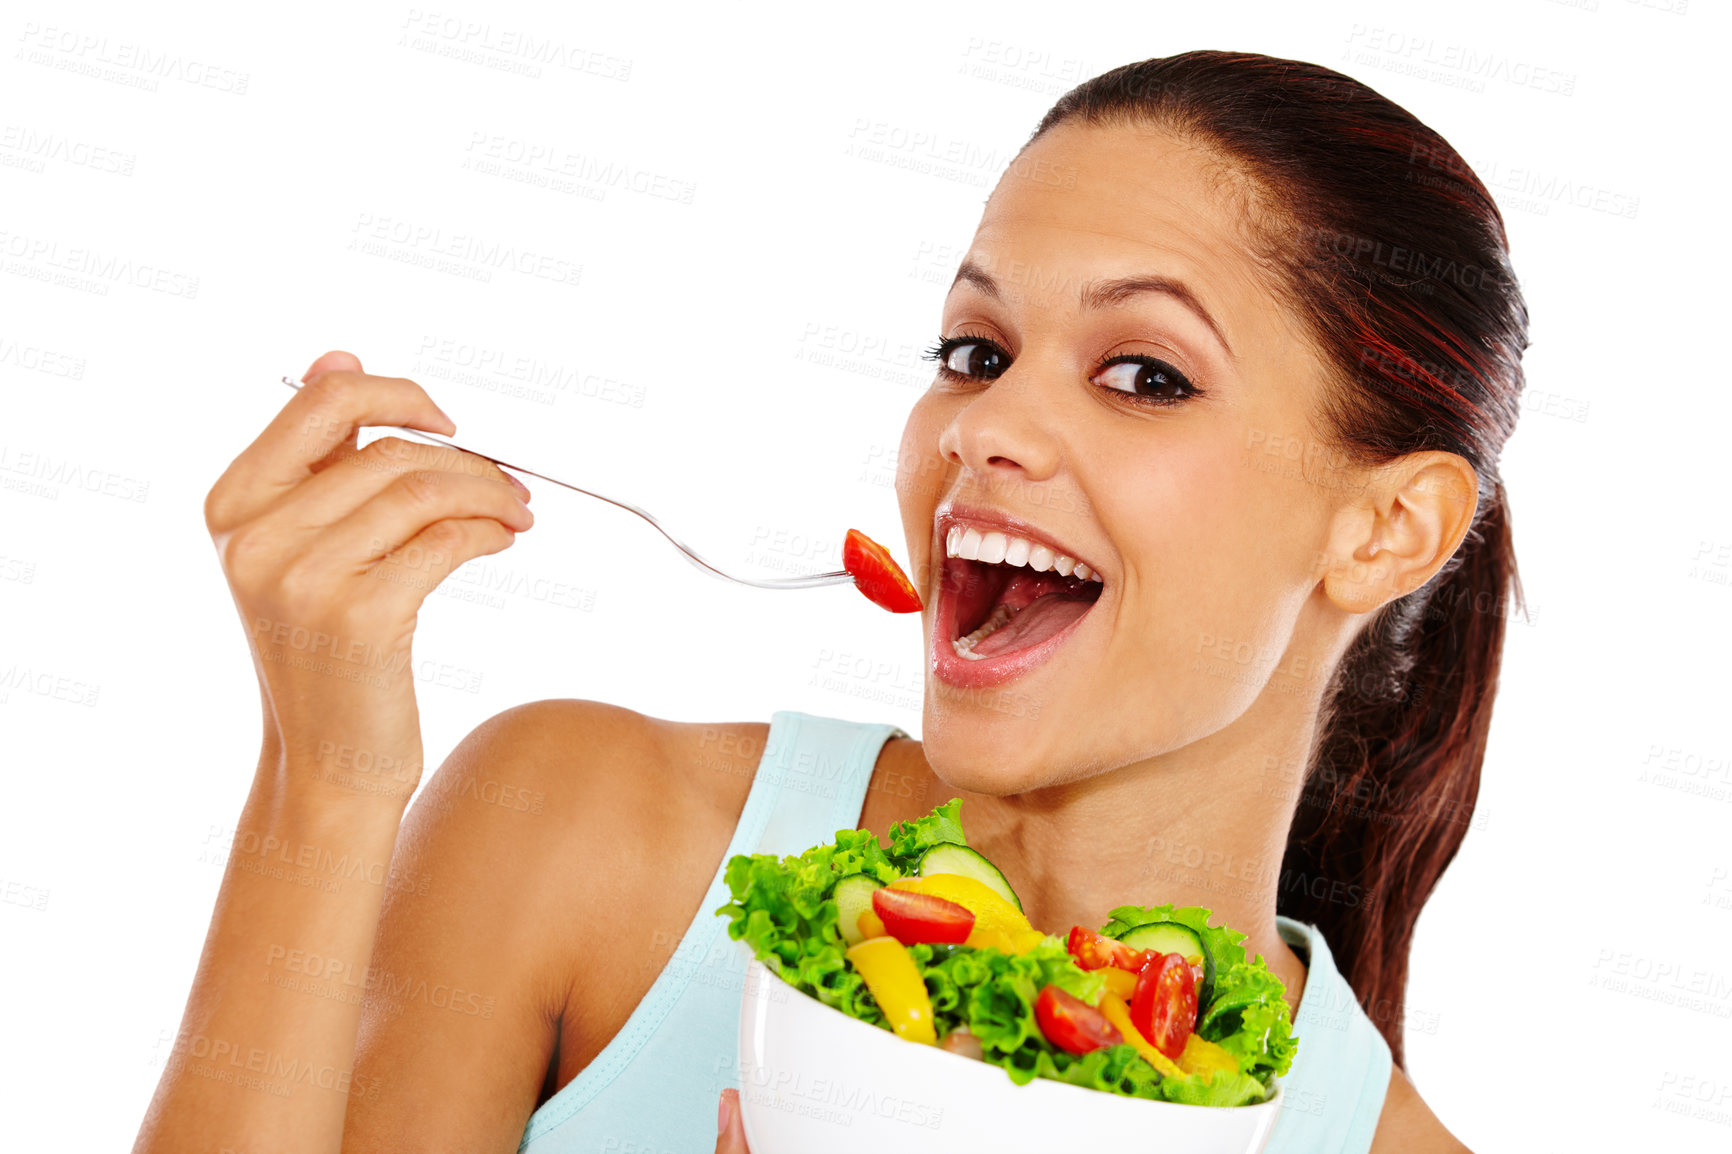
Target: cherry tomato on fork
<point>877,575</point>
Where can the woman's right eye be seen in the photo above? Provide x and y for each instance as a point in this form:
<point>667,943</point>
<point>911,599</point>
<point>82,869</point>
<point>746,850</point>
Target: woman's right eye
<point>970,357</point>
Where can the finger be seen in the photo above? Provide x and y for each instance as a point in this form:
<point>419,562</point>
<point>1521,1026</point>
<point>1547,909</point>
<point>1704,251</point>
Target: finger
<point>334,361</point>
<point>408,505</point>
<point>327,497</point>
<point>427,558</point>
<point>331,361</point>
<point>730,1127</point>
<point>320,418</point>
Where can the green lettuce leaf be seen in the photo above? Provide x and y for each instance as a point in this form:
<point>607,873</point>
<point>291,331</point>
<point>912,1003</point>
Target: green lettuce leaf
<point>993,993</point>
<point>909,840</point>
<point>783,909</point>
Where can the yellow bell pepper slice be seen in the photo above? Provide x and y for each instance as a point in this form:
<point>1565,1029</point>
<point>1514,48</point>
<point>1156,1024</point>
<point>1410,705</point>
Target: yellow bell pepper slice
<point>894,979</point>
<point>988,938</point>
<point>1011,942</point>
<point>871,925</point>
<point>1202,1056</point>
<point>1120,982</point>
<point>990,911</point>
<point>1119,1015</point>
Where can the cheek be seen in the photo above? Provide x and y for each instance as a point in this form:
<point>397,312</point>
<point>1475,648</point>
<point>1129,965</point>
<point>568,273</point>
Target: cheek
<point>920,471</point>
<point>1233,516</point>
<point>1217,556</point>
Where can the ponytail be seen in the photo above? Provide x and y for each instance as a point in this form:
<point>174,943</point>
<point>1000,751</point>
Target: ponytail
<point>1392,788</point>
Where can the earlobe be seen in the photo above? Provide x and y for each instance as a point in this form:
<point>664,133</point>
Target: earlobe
<point>1412,521</point>
<point>1358,581</point>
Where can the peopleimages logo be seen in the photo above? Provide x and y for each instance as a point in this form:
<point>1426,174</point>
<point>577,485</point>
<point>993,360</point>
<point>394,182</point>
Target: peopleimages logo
<point>89,269</point>
<point>121,61</point>
<point>382,983</point>
<point>462,254</point>
<point>795,1091</point>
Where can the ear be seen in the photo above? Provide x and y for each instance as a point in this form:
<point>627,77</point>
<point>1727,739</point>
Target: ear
<point>1400,529</point>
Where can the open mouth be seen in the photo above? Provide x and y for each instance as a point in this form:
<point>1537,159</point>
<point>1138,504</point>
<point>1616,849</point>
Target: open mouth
<point>1002,595</point>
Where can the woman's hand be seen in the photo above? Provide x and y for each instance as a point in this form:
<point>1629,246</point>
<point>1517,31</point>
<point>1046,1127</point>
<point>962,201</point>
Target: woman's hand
<point>329,553</point>
<point>730,1130</point>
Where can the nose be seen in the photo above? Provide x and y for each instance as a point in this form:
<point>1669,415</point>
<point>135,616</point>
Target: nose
<point>1004,431</point>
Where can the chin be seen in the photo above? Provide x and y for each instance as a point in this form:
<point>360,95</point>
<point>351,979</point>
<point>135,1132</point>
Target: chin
<point>963,767</point>
<point>972,748</point>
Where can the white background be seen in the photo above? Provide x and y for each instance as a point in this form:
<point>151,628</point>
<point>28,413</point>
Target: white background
<point>1572,982</point>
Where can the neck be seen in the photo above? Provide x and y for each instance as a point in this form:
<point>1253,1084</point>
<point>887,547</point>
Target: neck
<point>1205,826</point>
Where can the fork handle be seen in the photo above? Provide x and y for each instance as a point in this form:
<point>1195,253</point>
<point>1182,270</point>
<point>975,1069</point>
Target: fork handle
<point>808,581</point>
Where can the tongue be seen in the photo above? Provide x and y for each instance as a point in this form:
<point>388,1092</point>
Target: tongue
<point>1043,617</point>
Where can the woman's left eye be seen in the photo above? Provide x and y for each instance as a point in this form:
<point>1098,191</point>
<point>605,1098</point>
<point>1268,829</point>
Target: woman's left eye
<point>1146,378</point>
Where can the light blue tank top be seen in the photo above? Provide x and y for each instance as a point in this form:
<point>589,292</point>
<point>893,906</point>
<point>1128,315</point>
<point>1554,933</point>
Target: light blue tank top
<point>1334,1092</point>
<point>653,1089</point>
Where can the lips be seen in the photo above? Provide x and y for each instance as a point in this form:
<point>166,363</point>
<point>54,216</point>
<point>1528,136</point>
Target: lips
<point>1009,608</point>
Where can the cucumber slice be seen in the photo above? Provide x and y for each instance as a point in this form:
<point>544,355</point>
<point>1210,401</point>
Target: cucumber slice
<point>950,858</point>
<point>854,894</point>
<point>1173,938</point>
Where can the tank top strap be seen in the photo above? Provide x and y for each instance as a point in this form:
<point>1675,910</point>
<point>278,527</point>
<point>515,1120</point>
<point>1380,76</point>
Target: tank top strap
<point>1333,1095</point>
<point>820,768</point>
<point>653,1086</point>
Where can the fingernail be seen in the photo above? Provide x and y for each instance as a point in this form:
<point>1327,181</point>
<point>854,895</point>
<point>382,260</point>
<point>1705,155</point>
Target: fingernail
<point>522,489</point>
<point>724,1115</point>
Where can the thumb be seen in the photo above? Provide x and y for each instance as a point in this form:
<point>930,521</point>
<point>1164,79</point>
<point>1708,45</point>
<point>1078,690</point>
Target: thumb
<point>331,362</point>
<point>731,1138</point>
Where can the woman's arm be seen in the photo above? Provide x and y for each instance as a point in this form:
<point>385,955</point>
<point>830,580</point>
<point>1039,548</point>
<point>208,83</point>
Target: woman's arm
<point>329,552</point>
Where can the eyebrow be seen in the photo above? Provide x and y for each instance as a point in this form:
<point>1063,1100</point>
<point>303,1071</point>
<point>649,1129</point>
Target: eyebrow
<point>1106,294</point>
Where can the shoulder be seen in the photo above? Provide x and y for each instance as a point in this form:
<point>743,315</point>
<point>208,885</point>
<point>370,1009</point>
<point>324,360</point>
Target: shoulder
<point>1407,1123</point>
<point>545,872</point>
<point>602,767</point>
<point>579,811</point>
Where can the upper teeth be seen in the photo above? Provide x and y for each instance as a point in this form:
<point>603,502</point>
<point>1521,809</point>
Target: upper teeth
<point>1001,548</point>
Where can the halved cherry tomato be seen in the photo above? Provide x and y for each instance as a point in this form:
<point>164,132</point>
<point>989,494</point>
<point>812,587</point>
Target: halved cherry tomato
<point>911,917</point>
<point>1092,951</point>
<point>1071,1023</point>
<point>1164,1008</point>
<point>877,575</point>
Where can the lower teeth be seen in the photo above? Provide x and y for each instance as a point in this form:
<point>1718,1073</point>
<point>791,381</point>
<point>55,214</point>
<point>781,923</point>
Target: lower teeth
<point>964,646</point>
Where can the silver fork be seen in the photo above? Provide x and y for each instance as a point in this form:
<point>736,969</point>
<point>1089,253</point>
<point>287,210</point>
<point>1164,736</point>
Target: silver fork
<point>809,581</point>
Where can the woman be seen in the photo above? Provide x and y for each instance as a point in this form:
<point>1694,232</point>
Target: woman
<point>1205,509</point>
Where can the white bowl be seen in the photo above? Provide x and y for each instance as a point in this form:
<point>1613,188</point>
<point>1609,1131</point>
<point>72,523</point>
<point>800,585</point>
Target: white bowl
<point>815,1081</point>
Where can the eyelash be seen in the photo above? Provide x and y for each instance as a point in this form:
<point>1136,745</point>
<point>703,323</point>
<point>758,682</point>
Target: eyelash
<point>941,350</point>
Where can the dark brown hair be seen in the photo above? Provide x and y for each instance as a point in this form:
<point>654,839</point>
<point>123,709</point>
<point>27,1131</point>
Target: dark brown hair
<point>1396,256</point>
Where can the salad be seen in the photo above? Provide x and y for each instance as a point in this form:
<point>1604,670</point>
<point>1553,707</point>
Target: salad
<point>927,939</point>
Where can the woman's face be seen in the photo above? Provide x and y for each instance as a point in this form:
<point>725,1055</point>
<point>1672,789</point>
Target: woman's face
<point>1119,384</point>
